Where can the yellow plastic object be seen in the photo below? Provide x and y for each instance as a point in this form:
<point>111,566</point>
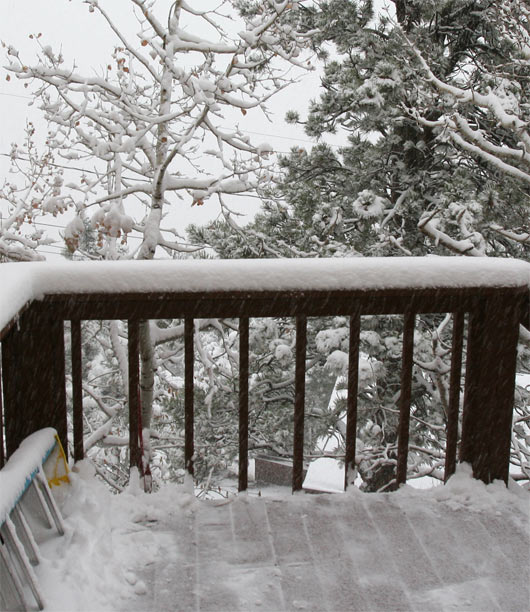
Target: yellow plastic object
<point>56,466</point>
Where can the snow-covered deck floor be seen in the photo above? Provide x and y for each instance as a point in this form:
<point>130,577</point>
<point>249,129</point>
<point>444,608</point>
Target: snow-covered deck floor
<point>463,546</point>
<point>328,552</point>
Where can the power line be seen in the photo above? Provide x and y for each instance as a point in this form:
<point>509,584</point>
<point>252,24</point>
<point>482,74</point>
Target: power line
<point>15,95</point>
<point>290,138</point>
<point>52,246</point>
<point>48,224</point>
<point>287,138</point>
<point>84,170</point>
<point>129,236</point>
<point>139,180</point>
<point>47,252</point>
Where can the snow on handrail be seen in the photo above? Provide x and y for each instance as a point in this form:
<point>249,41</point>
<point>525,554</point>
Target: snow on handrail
<point>24,282</point>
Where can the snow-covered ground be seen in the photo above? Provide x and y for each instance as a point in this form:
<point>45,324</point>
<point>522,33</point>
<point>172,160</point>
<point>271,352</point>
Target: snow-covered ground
<point>463,546</point>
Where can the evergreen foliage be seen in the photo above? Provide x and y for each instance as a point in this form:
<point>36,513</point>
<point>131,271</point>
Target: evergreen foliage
<point>397,90</point>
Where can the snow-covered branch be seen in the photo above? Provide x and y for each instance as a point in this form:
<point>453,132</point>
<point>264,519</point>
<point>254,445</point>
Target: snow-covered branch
<point>160,103</point>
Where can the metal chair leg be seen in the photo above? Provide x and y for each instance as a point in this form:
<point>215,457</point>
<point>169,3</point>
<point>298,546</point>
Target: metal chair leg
<point>15,580</point>
<point>25,535</point>
<point>50,501</point>
<point>42,502</point>
<point>17,550</point>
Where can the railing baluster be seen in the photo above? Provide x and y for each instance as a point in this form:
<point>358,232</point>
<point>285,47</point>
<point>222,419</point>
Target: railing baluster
<point>404,398</point>
<point>188,395</point>
<point>243,403</point>
<point>353,384</point>
<point>454,394</point>
<point>134,382</point>
<point>57,393</point>
<point>77,388</point>
<point>9,376</point>
<point>2,450</point>
<point>299,403</point>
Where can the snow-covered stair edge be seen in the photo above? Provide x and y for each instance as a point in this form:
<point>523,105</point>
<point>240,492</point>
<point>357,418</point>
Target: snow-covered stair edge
<point>23,282</point>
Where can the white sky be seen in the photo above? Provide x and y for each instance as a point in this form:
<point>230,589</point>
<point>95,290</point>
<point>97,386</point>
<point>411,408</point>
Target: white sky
<point>67,23</point>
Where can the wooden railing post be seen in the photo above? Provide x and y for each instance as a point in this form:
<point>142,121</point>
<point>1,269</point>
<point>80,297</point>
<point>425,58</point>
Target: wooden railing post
<point>134,390</point>
<point>77,388</point>
<point>525,311</point>
<point>405,397</point>
<point>189,417</point>
<point>490,383</point>
<point>243,403</point>
<point>454,394</point>
<point>33,371</point>
<point>353,388</point>
<point>2,450</point>
<point>299,403</point>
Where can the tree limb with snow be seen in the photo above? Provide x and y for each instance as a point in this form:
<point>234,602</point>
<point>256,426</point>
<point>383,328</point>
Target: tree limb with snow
<point>156,129</point>
<point>159,121</point>
<point>33,180</point>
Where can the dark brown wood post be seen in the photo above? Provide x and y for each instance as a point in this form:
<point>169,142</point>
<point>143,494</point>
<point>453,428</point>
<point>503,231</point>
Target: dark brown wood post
<point>353,385</point>
<point>243,403</point>
<point>299,403</point>
<point>33,370</point>
<point>134,391</point>
<point>454,394</point>
<point>525,311</point>
<point>490,382</point>
<point>2,450</point>
<point>77,389</point>
<point>12,427</point>
<point>189,445</point>
<point>404,398</point>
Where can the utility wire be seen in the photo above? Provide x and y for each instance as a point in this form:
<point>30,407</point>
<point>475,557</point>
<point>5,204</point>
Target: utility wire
<point>293,139</point>
<point>53,246</point>
<point>129,236</point>
<point>138,180</point>
<point>47,252</point>
<point>15,95</point>
<point>36,222</point>
<point>284,138</point>
<point>77,169</point>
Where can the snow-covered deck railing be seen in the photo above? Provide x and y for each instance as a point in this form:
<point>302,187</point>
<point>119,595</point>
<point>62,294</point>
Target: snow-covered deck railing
<point>36,299</point>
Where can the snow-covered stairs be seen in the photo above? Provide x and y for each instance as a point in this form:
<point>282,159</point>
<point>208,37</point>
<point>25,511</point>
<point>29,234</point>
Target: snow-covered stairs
<point>438,550</point>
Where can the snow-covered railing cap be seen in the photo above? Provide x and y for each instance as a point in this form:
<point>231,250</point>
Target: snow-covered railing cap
<point>24,282</point>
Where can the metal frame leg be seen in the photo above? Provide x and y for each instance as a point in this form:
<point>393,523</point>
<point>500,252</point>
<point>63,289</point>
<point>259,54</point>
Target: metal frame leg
<point>50,501</point>
<point>18,552</point>
<point>25,535</point>
<point>15,580</point>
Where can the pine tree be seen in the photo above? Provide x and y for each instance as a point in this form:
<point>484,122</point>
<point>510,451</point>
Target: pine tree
<point>401,90</point>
